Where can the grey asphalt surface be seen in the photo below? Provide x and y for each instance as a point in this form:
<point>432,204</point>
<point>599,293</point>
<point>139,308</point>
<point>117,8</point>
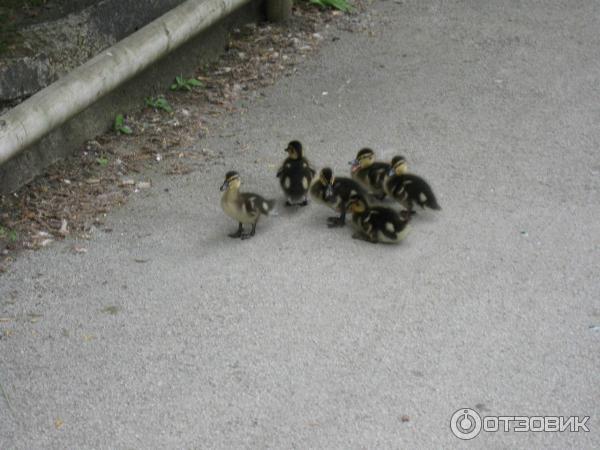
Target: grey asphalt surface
<point>304,338</point>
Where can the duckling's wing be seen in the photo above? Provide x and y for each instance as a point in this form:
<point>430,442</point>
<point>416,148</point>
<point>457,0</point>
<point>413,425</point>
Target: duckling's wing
<point>378,172</point>
<point>307,166</point>
<point>251,203</point>
<point>420,191</point>
<point>397,187</point>
<point>346,187</point>
<point>256,204</point>
<point>387,222</point>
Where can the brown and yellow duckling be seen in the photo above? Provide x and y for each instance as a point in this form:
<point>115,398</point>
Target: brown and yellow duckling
<point>370,173</point>
<point>244,207</point>
<point>407,188</point>
<point>377,223</point>
<point>335,192</point>
<point>295,175</point>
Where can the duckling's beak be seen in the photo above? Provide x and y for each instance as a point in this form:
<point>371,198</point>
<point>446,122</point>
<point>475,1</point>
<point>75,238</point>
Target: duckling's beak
<point>355,165</point>
<point>391,172</point>
<point>224,186</point>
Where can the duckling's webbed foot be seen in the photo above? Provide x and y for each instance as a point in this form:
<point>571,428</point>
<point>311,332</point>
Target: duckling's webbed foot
<point>290,203</point>
<point>250,234</point>
<point>333,222</point>
<point>238,233</point>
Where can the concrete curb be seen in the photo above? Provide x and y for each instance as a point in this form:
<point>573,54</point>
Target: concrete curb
<point>87,86</point>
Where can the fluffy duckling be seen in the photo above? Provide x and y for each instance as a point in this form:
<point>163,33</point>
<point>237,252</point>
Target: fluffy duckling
<point>244,207</point>
<point>377,223</point>
<point>295,175</point>
<point>407,188</point>
<point>370,173</point>
<point>334,192</point>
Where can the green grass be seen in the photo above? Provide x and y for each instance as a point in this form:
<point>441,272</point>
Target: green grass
<point>342,5</point>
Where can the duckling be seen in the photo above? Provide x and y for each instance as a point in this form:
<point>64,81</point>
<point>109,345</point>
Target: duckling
<point>295,175</point>
<point>244,207</point>
<point>370,173</point>
<point>407,188</point>
<point>334,192</point>
<point>377,223</point>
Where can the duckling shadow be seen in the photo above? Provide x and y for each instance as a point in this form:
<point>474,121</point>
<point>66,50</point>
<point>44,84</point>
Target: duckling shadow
<point>217,238</point>
<point>318,220</point>
<point>312,220</point>
<point>283,210</point>
<point>381,248</point>
<point>425,216</point>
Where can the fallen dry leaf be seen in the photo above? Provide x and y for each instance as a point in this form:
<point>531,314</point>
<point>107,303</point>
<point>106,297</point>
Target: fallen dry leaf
<point>144,184</point>
<point>64,228</point>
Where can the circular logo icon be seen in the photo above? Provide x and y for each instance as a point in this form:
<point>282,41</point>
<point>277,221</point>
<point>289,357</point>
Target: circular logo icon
<point>465,423</point>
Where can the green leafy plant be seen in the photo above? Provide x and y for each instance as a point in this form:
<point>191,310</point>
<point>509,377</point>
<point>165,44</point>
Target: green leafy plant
<point>159,103</point>
<point>120,126</point>
<point>183,84</point>
<point>6,233</point>
<point>342,5</point>
<point>103,161</point>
